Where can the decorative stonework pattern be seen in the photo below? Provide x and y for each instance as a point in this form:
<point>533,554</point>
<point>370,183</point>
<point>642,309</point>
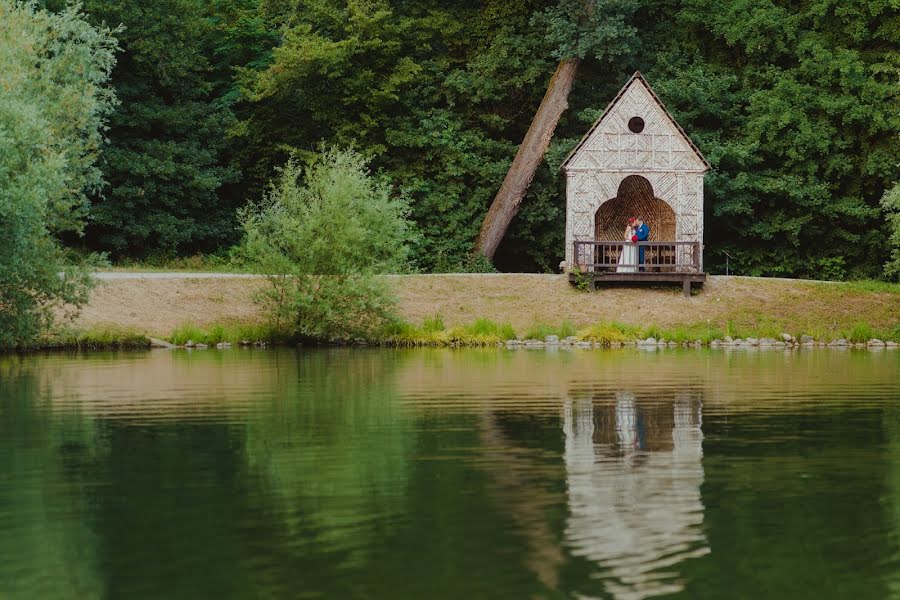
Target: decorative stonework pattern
<point>660,153</point>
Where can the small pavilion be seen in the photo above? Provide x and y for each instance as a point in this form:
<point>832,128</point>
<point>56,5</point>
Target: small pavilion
<point>635,161</point>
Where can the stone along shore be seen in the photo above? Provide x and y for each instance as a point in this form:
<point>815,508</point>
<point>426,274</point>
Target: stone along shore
<point>786,341</point>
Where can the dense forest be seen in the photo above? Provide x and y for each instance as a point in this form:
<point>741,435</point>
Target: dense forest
<point>794,102</point>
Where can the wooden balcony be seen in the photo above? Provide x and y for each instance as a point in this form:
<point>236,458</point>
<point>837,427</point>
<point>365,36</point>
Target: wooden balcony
<point>676,262</point>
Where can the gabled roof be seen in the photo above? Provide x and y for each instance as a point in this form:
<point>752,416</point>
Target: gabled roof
<point>637,77</point>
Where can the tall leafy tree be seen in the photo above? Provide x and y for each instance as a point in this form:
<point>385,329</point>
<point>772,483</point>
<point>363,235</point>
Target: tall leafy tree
<point>167,161</point>
<point>795,105</point>
<point>429,91</point>
<point>54,69</point>
<point>577,28</point>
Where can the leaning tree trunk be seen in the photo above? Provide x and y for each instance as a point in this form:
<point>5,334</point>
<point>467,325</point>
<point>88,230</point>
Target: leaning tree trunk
<point>531,152</point>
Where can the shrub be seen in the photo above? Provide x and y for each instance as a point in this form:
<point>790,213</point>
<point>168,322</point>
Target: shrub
<point>321,243</point>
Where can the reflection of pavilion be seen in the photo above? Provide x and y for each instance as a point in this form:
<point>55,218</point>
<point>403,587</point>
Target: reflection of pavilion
<point>634,473</point>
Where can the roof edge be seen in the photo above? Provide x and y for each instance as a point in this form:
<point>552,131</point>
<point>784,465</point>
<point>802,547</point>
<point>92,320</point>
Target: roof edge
<point>639,77</point>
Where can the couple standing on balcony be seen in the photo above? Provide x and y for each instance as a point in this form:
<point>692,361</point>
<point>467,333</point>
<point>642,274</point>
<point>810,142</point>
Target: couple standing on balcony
<point>632,256</point>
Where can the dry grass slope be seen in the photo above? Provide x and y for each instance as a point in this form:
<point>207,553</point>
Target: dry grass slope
<point>159,306</point>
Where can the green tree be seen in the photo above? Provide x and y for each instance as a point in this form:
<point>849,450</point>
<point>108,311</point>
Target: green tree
<point>795,105</point>
<point>890,202</point>
<point>433,93</point>
<point>320,244</point>
<point>54,69</point>
<point>167,164</point>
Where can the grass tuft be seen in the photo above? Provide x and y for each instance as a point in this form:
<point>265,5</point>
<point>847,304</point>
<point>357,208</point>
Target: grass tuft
<point>609,333</point>
<point>481,332</point>
<point>233,333</point>
<point>539,330</point>
<point>98,337</point>
<point>703,332</point>
<point>860,332</point>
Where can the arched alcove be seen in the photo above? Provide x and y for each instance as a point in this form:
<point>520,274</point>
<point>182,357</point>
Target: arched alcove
<point>634,198</point>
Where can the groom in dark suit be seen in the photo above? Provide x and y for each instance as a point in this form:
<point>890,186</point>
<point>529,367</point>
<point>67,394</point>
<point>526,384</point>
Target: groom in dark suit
<point>641,233</point>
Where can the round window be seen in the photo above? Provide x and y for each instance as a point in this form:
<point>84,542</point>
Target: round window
<point>636,124</point>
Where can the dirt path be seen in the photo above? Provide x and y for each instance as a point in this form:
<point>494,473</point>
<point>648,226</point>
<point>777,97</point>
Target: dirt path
<point>156,303</point>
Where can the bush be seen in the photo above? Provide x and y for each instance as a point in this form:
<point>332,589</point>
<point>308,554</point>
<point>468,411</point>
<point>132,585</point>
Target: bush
<point>321,243</point>
<point>53,73</point>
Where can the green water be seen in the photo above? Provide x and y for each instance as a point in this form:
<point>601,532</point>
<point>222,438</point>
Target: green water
<point>450,474</point>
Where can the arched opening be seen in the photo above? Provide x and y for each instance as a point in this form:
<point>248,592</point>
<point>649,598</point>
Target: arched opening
<point>634,199</point>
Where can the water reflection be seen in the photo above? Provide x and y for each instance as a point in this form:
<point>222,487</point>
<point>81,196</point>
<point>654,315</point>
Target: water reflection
<point>449,474</point>
<point>634,470</point>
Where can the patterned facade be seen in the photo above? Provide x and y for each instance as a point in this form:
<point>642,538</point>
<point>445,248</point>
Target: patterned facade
<point>661,153</point>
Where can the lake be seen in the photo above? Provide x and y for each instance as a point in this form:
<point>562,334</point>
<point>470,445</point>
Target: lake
<point>372,473</point>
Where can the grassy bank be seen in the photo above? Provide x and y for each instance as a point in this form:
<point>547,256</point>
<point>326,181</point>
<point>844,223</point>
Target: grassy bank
<point>99,337</point>
<point>487,309</point>
<point>433,332</point>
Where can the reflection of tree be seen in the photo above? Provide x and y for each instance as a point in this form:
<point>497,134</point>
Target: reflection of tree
<point>47,549</point>
<point>333,447</point>
<point>634,473</point>
<point>518,483</point>
<point>212,478</point>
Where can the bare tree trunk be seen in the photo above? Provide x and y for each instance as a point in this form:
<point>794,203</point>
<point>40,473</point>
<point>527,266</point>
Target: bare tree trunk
<point>531,152</point>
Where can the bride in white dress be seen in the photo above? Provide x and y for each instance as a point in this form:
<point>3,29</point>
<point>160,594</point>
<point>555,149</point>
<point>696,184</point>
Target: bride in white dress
<point>628,258</point>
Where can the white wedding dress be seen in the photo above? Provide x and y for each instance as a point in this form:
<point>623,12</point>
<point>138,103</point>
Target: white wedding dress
<point>628,259</point>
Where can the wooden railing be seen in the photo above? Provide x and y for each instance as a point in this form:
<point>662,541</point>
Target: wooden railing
<point>659,257</point>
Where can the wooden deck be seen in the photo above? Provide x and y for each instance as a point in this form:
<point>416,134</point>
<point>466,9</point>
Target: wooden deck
<point>664,262</point>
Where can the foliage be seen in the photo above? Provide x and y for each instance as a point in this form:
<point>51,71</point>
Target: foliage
<point>53,73</point>
<point>473,262</point>
<point>601,29</point>
<point>890,203</point>
<point>217,263</point>
<point>167,163</point>
<point>583,282</point>
<point>320,244</point>
<point>794,104</point>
